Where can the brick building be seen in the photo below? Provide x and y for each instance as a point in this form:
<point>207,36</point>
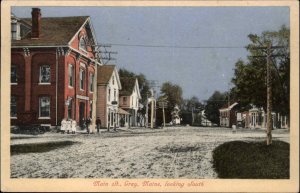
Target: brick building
<point>228,115</point>
<point>53,66</point>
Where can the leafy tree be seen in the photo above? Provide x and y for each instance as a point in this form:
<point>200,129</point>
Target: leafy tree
<point>250,77</point>
<point>174,94</point>
<point>214,103</point>
<point>189,104</point>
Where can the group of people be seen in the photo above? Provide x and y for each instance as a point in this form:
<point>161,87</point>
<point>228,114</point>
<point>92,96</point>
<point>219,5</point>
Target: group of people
<point>68,126</point>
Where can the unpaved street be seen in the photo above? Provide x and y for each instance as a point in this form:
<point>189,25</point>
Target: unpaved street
<point>174,152</point>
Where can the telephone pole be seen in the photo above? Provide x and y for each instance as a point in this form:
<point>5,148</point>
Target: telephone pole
<point>269,98</point>
<point>268,50</point>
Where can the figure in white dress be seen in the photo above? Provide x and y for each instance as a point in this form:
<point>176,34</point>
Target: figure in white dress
<point>63,126</point>
<point>73,126</point>
<point>68,126</point>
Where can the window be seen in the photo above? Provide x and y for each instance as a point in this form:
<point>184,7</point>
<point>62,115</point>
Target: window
<point>13,74</point>
<point>108,96</point>
<point>81,74</point>
<point>14,31</point>
<point>13,107</point>
<point>71,75</point>
<point>115,94</point>
<point>91,82</point>
<point>45,74</point>
<point>124,100</point>
<point>113,80</point>
<point>132,102</point>
<point>82,44</point>
<point>45,107</point>
<point>70,109</point>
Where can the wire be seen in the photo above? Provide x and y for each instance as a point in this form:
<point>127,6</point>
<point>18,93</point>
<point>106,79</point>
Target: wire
<point>188,47</point>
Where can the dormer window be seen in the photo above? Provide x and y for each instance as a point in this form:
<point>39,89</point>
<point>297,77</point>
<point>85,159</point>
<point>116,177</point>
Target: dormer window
<point>82,44</point>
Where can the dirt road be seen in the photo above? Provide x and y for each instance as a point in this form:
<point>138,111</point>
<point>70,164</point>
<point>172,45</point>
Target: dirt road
<point>177,152</point>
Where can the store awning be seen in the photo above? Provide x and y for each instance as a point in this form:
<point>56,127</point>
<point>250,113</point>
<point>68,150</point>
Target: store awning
<point>122,111</point>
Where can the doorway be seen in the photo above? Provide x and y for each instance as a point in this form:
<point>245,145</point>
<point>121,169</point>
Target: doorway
<point>81,112</point>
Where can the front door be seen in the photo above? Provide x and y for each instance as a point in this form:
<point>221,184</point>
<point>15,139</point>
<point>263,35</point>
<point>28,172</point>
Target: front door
<point>81,112</point>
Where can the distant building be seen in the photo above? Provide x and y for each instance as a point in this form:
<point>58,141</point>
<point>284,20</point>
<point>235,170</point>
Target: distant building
<point>257,118</point>
<point>204,120</point>
<point>228,115</point>
<point>53,65</point>
<point>108,88</point>
<point>129,99</point>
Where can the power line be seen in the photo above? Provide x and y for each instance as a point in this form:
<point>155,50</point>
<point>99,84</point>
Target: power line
<point>170,46</point>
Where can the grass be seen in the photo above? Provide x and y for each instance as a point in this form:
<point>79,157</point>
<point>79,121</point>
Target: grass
<point>38,147</point>
<point>252,160</point>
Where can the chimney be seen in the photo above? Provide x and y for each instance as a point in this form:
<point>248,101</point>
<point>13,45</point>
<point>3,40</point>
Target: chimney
<point>36,23</point>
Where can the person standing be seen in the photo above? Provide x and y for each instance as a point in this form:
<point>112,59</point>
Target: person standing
<point>98,123</point>
<point>73,126</point>
<point>63,126</point>
<point>88,122</point>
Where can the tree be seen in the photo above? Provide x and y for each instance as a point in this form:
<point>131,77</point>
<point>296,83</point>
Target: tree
<point>214,103</point>
<point>191,103</point>
<point>250,77</point>
<point>174,94</point>
<point>269,57</point>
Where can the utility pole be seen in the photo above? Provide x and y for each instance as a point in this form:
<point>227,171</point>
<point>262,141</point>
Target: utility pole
<point>146,117</point>
<point>269,98</point>
<point>193,115</point>
<point>164,119</point>
<point>268,50</point>
<point>152,112</point>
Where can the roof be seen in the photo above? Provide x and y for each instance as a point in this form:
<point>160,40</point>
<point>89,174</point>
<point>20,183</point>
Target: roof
<point>231,105</point>
<point>54,31</point>
<point>104,73</point>
<point>128,84</point>
<point>122,111</point>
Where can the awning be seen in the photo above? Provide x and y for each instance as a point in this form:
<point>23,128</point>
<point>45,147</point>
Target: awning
<point>122,111</point>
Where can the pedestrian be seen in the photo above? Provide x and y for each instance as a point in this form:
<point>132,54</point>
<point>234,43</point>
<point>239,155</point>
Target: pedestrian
<point>83,124</point>
<point>88,122</point>
<point>63,126</point>
<point>73,123</point>
<point>68,126</point>
<point>98,123</point>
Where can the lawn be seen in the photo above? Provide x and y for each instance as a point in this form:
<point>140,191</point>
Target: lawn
<point>252,160</point>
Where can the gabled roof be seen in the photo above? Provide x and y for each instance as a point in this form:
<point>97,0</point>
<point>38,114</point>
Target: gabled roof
<point>228,107</point>
<point>105,72</point>
<point>128,84</point>
<point>54,31</point>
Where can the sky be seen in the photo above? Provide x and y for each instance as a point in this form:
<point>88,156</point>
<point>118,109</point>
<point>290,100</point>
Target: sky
<point>194,47</point>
